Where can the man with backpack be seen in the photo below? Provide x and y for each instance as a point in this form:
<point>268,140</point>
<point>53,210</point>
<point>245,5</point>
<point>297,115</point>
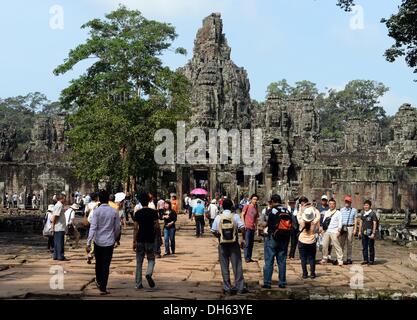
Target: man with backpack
<point>226,227</point>
<point>279,221</point>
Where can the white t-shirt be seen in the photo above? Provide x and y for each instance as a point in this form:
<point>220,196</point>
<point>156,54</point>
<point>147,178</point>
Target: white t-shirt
<point>213,210</point>
<point>137,207</point>
<point>89,210</point>
<point>151,205</point>
<point>58,212</point>
<point>69,216</point>
<point>336,221</point>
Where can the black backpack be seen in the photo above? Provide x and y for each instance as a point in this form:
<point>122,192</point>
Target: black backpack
<point>280,223</point>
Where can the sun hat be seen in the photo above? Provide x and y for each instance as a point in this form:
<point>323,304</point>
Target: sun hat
<point>309,214</point>
<point>51,208</point>
<point>75,206</point>
<point>119,197</point>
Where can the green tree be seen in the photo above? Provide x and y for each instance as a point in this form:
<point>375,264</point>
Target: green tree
<point>402,27</point>
<point>123,97</point>
<point>359,98</point>
<point>20,112</point>
<point>301,88</point>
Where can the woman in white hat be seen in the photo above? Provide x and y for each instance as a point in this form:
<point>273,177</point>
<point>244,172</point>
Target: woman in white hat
<point>47,228</point>
<point>308,220</point>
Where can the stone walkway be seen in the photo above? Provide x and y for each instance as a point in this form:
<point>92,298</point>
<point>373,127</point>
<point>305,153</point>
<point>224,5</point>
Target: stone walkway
<point>194,273</point>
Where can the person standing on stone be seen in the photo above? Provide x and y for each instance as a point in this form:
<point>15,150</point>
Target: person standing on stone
<point>104,230</point>
<point>59,226</point>
<point>169,217</point>
<point>213,211</point>
<point>48,228</point>
<point>198,212</point>
<point>276,243</point>
<point>14,198</point>
<point>250,215</point>
<point>295,229</point>
<point>6,201</point>
<point>332,225</point>
<point>187,200</point>
<point>367,231</point>
<point>308,221</point>
<point>145,230</point>
<point>226,228</point>
<point>34,201</point>
<point>349,224</point>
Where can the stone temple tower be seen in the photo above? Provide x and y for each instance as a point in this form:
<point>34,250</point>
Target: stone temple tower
<point>220,94</point>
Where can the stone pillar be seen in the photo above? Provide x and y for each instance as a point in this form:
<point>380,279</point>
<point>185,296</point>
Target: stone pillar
<point>180,192</point>
<point>252,185</point>
<point>42,206</point>
<point>213,182</point>
<point>268,187</point>
<point>2,194</point>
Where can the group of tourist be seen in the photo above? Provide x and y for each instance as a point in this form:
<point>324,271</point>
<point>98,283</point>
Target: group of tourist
<point>299,224</point>
<point>14,200</point>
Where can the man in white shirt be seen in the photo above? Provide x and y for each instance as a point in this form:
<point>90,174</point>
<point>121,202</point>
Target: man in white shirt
<point>230,251</point>
<point>71,229</point>
<point>59,226</point>
<point>332,232</point>
<point>213,211</point>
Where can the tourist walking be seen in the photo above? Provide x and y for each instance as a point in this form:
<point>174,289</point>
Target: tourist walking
<point>169,217</point>
<point>225,227</point>
<point>174,203</point>
<point>349,224</point>
<point>146,226</point>
<point>332,225</point>
<point>59,226</point>
<point>7,201</point>
<point>198,212</point>
<point>250,215</point>
<point>88,217</point>
<point>276,243</point>
<point>71,228</point>
<point>48,231</point>
<point>104,230</point>
<point>308,221</point>
<point>213,211</point>
<point>367,231</point>
<point>14,198</point>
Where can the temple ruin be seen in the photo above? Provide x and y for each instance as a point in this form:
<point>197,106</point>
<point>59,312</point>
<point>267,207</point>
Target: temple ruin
<point>295,160</point>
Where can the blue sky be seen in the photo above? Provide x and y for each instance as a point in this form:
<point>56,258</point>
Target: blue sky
<point>271,39</point>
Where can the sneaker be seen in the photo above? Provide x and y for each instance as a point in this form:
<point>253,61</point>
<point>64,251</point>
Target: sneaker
<point>349,261</point>
<point>266,286</point>
<point>167,254</point>
<point>103,293</point>
<point>364,262</point>
<point>345,263</point>
<point>305,276</point>
<point>150,281</point>
<point>372,263</point>
<point>313,276</point>
<point>282,286</point>
<point>139,287</point>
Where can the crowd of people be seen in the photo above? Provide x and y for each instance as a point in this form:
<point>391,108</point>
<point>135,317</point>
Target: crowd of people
<point>299,223</point>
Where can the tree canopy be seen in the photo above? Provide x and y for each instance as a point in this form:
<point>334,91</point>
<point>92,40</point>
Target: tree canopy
<point>123,97</point>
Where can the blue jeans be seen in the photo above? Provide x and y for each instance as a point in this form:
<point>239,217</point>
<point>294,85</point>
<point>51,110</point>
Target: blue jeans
<point>59,245</point>
<point>199,224</point>
<point>142,250</point>
<point>249,239</point>
<point>169,238</point>
<point>368,246</point>
<point>275,250</point>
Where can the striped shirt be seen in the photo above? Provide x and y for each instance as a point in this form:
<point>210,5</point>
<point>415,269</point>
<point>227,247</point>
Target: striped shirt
<point>348,215</point>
